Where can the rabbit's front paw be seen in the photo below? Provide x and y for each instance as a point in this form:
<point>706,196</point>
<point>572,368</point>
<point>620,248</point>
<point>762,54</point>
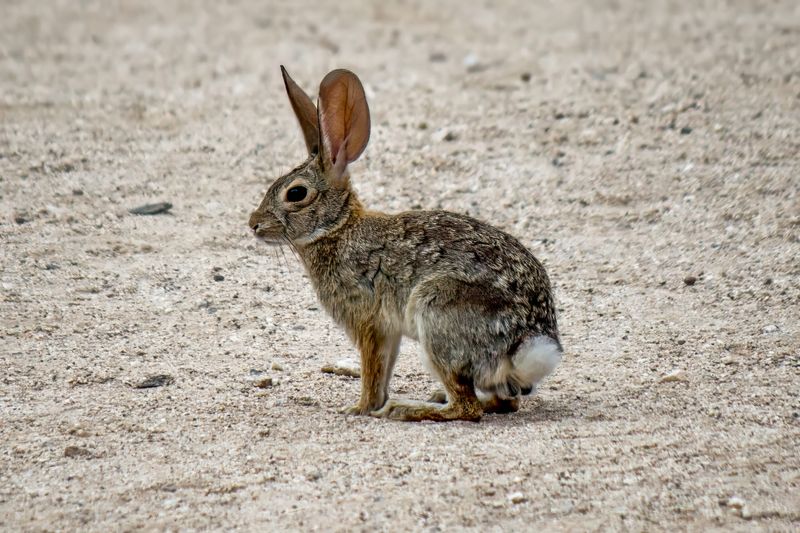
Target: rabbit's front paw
<point>352,410</point>
<point>358,409</point>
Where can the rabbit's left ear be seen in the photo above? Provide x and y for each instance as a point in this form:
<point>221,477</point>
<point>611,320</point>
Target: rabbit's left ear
<point>343,119</point>
<point>305,112</point>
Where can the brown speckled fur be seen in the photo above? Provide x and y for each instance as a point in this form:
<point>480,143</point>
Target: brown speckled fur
<point>467,291</point>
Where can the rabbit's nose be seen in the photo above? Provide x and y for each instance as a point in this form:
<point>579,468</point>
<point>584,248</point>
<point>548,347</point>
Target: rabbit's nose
<point>255,221</point>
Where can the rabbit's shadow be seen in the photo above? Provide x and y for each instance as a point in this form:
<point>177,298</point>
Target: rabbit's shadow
<point>539,411</point>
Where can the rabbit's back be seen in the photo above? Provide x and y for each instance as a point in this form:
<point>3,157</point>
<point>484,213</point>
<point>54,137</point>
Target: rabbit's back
<point>445,256</point>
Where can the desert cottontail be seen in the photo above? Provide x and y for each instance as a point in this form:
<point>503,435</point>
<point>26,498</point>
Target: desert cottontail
<point>479,302</point>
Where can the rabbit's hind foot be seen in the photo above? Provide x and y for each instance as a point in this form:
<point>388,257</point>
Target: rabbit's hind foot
<point>491,404</point>
<point>416,411</point>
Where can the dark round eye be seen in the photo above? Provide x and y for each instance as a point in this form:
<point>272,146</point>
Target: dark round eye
<point>295,194</point>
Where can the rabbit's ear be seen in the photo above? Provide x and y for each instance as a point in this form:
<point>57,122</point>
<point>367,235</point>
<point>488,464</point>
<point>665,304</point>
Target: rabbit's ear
<point>343,118</point>
<point>305,111</point>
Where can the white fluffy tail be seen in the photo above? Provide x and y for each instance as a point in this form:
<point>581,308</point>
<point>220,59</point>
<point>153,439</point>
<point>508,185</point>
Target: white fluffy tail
<point>535,359</point>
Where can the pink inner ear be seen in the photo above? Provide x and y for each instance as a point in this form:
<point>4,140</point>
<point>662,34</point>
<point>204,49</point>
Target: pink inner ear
<point>343,116</point>
<point>340,160</point>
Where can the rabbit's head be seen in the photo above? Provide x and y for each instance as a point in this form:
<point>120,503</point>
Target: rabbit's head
<point>316,198</point>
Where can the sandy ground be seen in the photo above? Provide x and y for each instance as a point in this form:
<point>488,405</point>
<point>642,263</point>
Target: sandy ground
<point>647,152</point>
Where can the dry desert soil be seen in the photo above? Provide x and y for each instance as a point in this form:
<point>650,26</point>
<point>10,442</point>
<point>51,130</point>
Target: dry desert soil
<point>646,152</point>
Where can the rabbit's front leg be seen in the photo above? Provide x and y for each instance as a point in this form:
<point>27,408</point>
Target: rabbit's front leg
<point>378,354</point>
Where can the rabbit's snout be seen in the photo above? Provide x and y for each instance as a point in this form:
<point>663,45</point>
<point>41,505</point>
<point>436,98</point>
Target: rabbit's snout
<point>265,226</point>
<point>256,221</point>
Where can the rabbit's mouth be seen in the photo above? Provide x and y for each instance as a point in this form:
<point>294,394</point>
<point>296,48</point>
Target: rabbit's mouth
<point>269,238</point>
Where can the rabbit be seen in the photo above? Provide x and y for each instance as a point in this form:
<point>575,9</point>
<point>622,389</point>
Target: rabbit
<point>479,303</point>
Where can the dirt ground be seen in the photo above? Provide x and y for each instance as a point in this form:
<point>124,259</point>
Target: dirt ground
<point>647,152</point>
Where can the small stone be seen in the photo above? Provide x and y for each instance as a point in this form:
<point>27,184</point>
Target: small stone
<point>219,277</point>
<point>77,192</point>
<point>422,125</point>
<point>690,280</point>
<point>471,61</point>
<point>344,367</point>
<point>675,375</point>
<point>517,497</point>
<point>79,431</point>
<point>263,383</point>
<point>158,380</point>
<point>772,328</point>
<point>307,401</point>
<point>686,130</point>
<point>525,76</point>
<point>444,135</point>
<point>20,219</point>
<point>74,452</point>
<point>151,209</point>
<point>437,57</point>
<point>277,366</point>
<point>736,502</point>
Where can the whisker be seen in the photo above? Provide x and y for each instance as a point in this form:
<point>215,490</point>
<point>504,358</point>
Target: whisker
<point>292,249</point>
<point>283,253</point>
<point>275,253</point>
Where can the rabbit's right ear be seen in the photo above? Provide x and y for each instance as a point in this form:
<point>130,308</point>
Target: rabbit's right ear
<point>343,119</point>
<point>305,111</point>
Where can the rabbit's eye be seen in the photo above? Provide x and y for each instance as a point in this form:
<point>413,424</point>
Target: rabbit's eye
<point>295,194</point>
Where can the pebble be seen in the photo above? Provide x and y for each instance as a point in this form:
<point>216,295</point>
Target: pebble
<point>690,280</point>
<point>263,383</point>
<point>686,130</point>
<point>76,451</point>
<point>675,375</point>
<point>158,380</point>
<point>772,328</point>
<point>471,61</point>
<point>151,209</point>
<point>79,431</point>
<point>444,135</point>
<point>277,366</point>
<point>219,277</point>
<point>738,505</point>
<point>517,497</point>
<point>344,367</point>
<point>736,502</point>
<point>437,57</point>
